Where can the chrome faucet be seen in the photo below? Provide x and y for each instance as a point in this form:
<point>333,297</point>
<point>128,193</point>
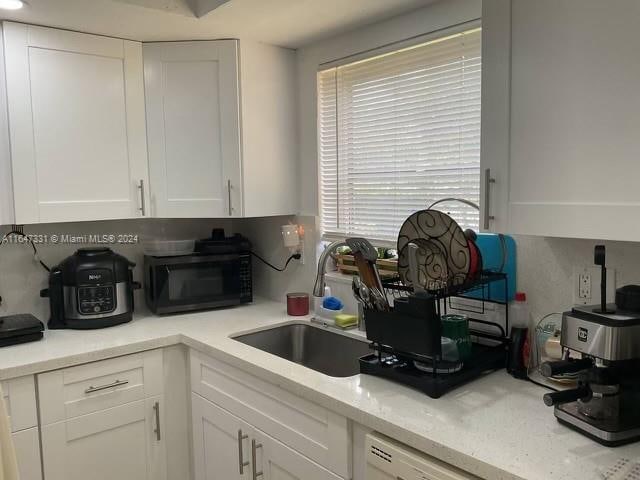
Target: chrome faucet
<point>318,289</point>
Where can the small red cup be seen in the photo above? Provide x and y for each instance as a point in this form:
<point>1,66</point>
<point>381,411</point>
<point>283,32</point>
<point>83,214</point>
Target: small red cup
<point>297,304</point>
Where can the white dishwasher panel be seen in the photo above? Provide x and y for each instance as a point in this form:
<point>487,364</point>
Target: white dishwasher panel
<point>390,460</point>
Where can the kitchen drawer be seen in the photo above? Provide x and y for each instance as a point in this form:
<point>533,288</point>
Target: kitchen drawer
<point>27,445</point>
<point>76,391</point>
<point>20,398</point>
<point>310,429</point>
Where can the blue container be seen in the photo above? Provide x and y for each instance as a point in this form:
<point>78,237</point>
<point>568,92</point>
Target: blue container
<point>498,255</point>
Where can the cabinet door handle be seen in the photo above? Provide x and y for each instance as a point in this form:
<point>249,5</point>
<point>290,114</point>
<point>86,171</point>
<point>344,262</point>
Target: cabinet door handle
<point>241,462</point>
<point>117,383</point>
<point>143,208</point>
<point>156,408</point>
<point>229,193</point>
<point>488,180</point>
<point>255,446</point>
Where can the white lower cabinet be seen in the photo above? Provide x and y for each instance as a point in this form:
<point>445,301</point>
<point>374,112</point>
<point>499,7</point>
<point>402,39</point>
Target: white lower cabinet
<point>105,420</point>
<point>305,432</point>
<point>227,448</point>
<point>27,446</point>
<point>276,461</point>
<point>220,442</point>
<point>123,442</point>
<point>19,395</point>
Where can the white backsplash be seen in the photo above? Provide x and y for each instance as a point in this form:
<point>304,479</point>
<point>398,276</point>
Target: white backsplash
<point>545,269</point>
<point>266,236</point>
<point>22,277</point>
<point>545,265</point>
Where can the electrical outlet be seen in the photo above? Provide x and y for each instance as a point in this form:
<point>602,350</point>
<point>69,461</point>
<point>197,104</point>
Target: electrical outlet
<point>584,285</point>
<point>587,285</point>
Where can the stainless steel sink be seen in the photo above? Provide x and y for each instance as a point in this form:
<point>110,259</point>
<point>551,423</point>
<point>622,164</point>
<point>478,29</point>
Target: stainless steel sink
<point>314,347</point>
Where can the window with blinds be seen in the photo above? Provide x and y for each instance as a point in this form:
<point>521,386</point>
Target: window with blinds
<point>398,132</point>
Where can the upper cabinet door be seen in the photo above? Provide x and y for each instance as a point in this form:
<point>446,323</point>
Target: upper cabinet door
<point>495,112</point>
<point>77,125</point>
<point>192,98</point>
<point>565,153</point>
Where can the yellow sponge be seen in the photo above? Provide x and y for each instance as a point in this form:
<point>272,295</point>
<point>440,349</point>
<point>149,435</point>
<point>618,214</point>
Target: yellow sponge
<point>345,321</point>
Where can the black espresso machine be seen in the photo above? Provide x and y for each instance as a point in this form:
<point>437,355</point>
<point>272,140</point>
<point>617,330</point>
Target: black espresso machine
<point>602,346</point>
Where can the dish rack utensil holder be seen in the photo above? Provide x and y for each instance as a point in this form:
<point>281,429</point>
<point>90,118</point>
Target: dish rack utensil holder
<point>400,339</point>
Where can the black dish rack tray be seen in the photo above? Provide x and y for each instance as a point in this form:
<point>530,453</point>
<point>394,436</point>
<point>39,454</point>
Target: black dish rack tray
<point>400,339</point>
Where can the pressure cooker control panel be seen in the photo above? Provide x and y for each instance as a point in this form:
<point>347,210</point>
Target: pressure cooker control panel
<point>96,291</point>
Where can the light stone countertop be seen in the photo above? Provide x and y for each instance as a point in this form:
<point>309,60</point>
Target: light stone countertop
<point>495,427</point>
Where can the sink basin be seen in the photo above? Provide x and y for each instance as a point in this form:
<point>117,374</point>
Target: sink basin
<point>314,347</point>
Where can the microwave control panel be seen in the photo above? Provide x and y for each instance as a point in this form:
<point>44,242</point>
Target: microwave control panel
<point>246,286</point>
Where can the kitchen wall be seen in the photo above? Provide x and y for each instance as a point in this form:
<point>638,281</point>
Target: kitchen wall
<point>22,277</point>
<point>545,269</point>
<point>545,265</point>
<point>265,233</point>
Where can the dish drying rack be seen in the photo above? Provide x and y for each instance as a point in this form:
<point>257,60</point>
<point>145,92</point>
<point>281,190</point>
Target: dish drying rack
<point>399,339</point>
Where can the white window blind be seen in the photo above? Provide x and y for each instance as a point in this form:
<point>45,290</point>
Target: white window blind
<point>398,132</point>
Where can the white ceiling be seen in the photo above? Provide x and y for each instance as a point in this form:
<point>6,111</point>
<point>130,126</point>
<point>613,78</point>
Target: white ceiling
<point>289,23</point>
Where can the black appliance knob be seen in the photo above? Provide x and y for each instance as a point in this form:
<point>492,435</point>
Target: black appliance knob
<point>566,396</point>
<point>551,369</point>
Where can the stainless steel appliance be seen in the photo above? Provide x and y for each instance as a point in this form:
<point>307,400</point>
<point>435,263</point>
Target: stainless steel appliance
<point>604,404</point>
<point>93,288</point>
<point>217,274</point>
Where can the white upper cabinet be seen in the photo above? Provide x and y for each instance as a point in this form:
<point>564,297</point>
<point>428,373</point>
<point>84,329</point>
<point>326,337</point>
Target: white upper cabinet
<point>193,128</point>
<point>221,129</point>
<point>561,136</point>
<point>77,125</point>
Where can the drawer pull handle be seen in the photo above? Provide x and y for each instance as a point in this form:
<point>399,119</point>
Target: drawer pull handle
<point>117,383</point>
<point>156,408</point>
<point>255,446</point>
<point>241,461</point>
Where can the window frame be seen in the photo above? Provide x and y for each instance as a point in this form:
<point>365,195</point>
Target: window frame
<point>378,51</point>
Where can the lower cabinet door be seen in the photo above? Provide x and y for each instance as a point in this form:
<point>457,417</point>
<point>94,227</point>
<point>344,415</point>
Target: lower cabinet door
<point>27,445</point>
<point>221,443</point>
<point>123,442</point>
<point>276,461</point>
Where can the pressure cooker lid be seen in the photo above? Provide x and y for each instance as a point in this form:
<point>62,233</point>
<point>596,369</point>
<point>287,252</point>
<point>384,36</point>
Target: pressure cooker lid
<point>111,265</point>
<point>93,252</point>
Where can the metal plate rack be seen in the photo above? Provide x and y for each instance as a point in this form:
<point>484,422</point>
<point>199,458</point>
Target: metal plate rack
<point>400,339</point>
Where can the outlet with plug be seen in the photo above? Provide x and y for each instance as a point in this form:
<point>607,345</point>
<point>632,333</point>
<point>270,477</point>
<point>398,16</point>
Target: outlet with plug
<point>586,282</point>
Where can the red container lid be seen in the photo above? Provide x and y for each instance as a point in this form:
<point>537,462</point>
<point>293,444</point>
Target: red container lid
<point>521,297</point>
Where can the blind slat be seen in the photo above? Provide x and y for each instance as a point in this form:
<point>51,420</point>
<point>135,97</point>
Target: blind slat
<point>398,132</point>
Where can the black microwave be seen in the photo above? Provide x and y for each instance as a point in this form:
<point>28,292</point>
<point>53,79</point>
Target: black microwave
<point>197,282</point>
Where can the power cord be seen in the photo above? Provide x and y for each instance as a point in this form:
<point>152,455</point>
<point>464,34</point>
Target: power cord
<point>296,256</point>
<point>15,230</point>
